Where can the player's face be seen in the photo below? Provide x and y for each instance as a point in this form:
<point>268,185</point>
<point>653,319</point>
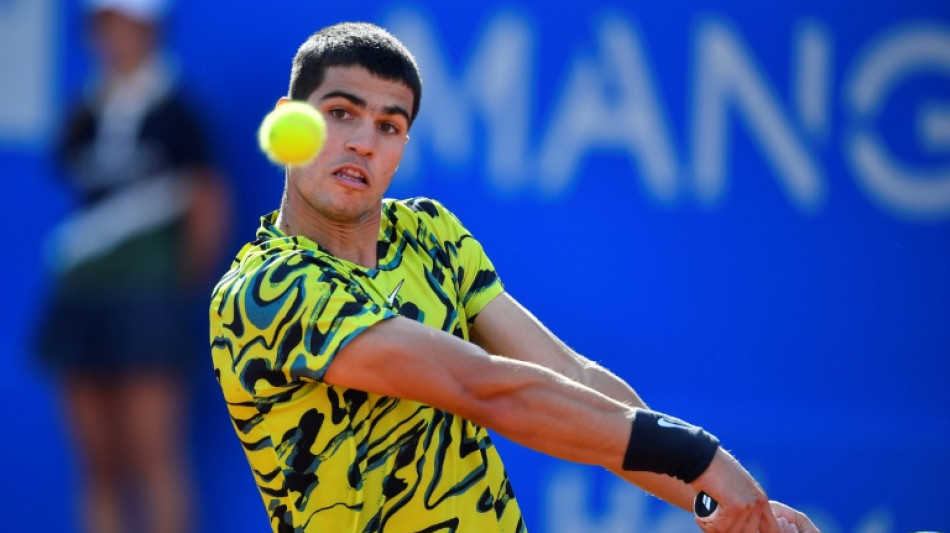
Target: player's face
<point>367,130</point>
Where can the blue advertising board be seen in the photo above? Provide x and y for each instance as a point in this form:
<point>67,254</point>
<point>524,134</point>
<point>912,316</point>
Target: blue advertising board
<point>741,208</point>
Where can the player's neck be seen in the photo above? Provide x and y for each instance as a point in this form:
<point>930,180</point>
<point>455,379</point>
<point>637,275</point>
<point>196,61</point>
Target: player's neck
<point>352,240</point>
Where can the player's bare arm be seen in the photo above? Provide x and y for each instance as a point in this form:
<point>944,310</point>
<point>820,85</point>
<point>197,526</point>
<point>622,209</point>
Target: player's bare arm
<point>506,328</point>
<point>523,401</point>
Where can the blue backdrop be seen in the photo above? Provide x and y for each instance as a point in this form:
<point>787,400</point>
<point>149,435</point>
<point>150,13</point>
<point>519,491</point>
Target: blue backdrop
<point>742,208</point>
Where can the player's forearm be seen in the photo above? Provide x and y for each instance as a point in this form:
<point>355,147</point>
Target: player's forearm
<point>546,411</point>
<point>607,383</point>
<point>566,419</point>
<point>543,410</point>
<point>662,486</point>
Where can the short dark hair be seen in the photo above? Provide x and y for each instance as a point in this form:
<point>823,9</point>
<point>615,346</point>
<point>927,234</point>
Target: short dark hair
<point>354,43</point>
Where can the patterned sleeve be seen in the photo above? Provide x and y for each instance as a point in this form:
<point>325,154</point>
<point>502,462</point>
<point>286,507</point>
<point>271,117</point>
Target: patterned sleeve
<point>335,313</point>
<point>286,322</point>
<point>477,279</point>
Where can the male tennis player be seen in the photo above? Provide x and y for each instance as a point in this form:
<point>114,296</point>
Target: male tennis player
<point>365,344</point>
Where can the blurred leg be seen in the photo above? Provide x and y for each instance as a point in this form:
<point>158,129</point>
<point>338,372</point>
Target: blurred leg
<point>90,407</point>
<point>153,413</point>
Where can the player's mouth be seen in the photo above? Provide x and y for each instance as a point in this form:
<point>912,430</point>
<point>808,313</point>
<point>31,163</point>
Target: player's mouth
<point>351,176</point>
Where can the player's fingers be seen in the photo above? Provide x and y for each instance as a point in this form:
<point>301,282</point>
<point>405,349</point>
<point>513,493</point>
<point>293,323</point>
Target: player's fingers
<point>736,519</point>
<point>800,521</point>
<point>805,525</point>
<point>783,524</point>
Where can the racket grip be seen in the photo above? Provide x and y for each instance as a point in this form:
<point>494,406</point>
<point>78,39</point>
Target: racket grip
<point>705,507</point>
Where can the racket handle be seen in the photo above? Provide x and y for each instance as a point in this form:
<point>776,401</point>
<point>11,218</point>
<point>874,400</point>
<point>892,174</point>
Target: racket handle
<point>705,507</point>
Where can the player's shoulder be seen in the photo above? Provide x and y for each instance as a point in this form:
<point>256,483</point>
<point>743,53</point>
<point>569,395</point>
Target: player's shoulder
<point>288,257</point>
<point>415,206</point>
<point>421,211</point>
<point>281,260</point>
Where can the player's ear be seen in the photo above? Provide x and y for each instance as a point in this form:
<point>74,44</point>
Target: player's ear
<point>283,100</point>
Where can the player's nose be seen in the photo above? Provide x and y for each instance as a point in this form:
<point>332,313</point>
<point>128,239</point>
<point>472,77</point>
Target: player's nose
<point>362,139</point>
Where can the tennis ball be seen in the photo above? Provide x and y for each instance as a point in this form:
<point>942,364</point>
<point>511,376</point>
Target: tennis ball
<point>292,134</point>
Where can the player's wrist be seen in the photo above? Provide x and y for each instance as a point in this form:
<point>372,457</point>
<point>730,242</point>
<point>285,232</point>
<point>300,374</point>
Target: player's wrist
<point>666,445</point>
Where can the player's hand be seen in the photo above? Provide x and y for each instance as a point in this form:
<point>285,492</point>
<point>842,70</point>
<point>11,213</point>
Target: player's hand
<point>743,505</point>
<point>795,521</point>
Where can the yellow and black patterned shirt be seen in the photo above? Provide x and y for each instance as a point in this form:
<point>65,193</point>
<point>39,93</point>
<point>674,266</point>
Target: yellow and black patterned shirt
<point>338,460</point>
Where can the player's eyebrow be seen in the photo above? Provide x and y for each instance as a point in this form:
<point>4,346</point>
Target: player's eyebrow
<point>361,103</point>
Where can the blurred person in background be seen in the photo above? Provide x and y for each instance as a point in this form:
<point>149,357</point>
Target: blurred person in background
<point>150,220</point>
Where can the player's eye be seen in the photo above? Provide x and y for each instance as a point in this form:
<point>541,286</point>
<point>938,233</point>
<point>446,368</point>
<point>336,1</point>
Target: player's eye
<point>339,113</point>
<point>389,127</point>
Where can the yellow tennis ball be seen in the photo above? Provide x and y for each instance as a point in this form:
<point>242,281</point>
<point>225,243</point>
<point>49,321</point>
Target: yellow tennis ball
<point>292,134</point>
